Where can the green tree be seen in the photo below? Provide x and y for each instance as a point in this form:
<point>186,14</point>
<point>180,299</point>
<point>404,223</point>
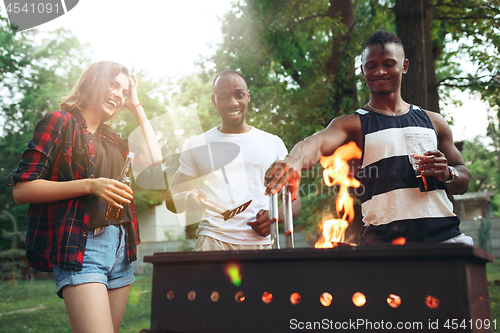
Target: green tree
<point>482,161</point>
<point>35,73</point>
<point>299,60</point>
<point>440,36</point>
<point>42,71</point>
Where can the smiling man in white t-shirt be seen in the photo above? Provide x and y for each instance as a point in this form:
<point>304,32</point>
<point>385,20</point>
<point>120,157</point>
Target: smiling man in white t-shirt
<point>227,165</point>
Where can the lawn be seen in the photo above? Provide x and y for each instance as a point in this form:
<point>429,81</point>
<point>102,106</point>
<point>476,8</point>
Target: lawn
<point>34,307</point>
<point>493,272</point>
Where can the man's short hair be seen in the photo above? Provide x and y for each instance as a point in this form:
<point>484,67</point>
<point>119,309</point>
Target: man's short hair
<point>226,73</point>
<point>382,37</point>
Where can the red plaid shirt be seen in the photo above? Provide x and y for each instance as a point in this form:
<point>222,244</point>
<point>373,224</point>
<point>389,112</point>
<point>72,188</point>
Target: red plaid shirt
<point>60,150</point>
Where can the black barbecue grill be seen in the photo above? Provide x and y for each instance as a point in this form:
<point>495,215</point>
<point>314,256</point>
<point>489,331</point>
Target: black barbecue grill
<point>428,285</point>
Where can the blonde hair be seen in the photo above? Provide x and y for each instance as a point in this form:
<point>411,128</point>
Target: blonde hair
<point>92,86</point>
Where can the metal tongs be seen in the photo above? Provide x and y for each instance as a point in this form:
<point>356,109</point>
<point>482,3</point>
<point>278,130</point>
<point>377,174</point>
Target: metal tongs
<point>226,213</point>
<point>286,198</point>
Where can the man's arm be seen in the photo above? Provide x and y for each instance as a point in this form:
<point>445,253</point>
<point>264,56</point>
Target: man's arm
<point>308,152</point>
<point>182,194</point>
<point>447,154</point>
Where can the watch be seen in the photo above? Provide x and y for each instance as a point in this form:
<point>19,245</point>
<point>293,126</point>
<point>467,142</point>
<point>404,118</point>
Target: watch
<point>453,175</point>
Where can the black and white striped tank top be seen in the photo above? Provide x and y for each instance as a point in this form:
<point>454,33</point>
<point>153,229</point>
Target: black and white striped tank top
<point>391,202</point>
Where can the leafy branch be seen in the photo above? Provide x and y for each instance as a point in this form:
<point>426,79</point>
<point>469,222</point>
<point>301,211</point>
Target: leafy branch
<point>473,80</point>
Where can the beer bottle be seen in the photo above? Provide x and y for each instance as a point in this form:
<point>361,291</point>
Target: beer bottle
<point>115,213</point>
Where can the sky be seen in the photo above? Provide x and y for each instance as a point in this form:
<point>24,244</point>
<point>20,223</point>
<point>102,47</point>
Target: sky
<point>470,119</point>
<point>166,37</point>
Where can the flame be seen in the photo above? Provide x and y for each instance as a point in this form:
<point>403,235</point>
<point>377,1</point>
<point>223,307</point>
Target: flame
<point>295,298</point>
<point>399,241</point>
<point>359,299</point>
<point>337,172</point>
<point>333,233</point>
<point>326,299</point>
<point>234,272</point>
<point>432,301</point>
<point>239,297</point>
<point>267,297</point>
<point>394,301</point>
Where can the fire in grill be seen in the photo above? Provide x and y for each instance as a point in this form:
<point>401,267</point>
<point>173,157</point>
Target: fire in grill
<point>414,287</point>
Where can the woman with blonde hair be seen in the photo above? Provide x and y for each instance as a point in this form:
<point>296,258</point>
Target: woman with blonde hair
<point>68,176</point>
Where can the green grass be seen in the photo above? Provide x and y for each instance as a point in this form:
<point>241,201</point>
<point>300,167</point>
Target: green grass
<point>493,275</point>
<point>34,306</point>
<point>138,313</point>
<point>493,271</point>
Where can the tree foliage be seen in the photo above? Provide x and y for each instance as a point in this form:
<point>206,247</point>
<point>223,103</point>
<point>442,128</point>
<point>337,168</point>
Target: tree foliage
<point>36,72</point>
<point>466,46</point>
<point>482,161</point>
<point>300,57</point>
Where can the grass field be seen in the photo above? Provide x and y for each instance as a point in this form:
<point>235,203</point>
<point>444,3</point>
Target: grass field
<point>493,272</point>
<point>34,307</point>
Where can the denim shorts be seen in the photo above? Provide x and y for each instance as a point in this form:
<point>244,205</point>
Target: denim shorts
<point>105,261</point>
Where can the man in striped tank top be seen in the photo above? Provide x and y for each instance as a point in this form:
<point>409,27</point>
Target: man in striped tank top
<point>388,130</point>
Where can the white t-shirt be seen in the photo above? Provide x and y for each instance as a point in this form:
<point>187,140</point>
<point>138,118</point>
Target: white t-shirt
<point>231,168</point>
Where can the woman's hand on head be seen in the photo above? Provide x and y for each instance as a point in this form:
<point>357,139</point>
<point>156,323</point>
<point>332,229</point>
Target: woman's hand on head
<point>132,99</point>
<point>112,191</point>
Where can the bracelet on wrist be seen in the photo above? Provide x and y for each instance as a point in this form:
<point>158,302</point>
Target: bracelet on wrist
<point>453,175</point>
